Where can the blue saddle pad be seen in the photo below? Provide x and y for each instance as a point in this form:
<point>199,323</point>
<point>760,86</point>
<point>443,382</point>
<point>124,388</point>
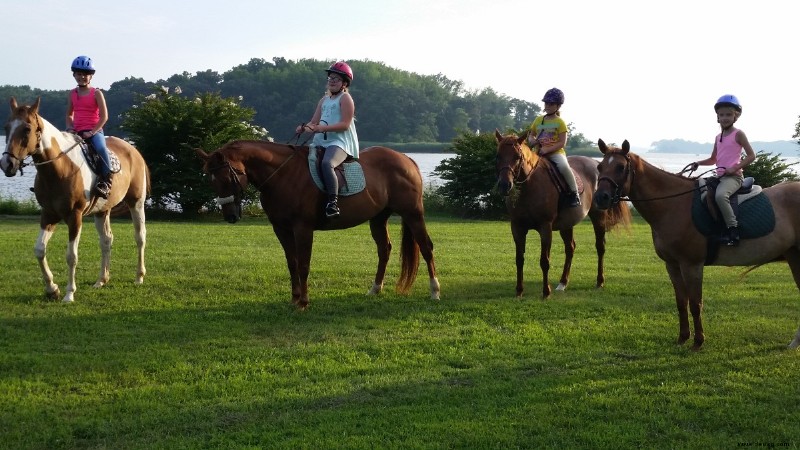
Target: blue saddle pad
<point>353,175</point>
<point>756,217</point>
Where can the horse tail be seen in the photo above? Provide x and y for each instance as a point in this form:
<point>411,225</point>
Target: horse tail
<point>409,260</point>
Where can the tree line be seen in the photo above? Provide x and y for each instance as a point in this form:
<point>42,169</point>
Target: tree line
<point>392,105</point>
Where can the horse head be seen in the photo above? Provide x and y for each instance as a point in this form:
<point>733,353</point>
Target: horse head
<point>615,174</point>
<point>227,181</point>
<point>23,131</point>
<point>513,160</point>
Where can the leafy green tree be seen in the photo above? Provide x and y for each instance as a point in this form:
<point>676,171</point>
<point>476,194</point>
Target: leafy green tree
<point>167,127</point>
<point>470,177</point>
<point>769,170</point>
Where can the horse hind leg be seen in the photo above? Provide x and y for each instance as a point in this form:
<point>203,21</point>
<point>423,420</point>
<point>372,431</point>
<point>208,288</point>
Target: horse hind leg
<point>140,236</point>
<point>380,234</point>
<point>567,236</point>
<point>793,258</point>
<point>416,240</point>
<point>102,223</point>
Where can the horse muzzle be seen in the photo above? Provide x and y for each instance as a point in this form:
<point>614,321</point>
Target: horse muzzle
<point>603,200</point>
<point>231,210</point>
<point>9,166</point>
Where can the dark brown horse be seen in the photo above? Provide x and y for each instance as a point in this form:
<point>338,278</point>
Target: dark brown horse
<point>294,205</point>
<point>63,188</point>
<point>664,200</point>
<point>535,205</point>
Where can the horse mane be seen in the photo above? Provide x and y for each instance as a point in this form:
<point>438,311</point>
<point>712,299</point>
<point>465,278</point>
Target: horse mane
<point>528,155</point>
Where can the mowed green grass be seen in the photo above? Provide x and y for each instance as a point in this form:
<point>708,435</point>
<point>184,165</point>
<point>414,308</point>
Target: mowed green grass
<point>209,352</point>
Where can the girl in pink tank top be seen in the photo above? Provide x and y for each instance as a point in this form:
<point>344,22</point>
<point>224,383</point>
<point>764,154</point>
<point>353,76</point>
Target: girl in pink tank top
<point>86,115</point>
<point>727,155</point>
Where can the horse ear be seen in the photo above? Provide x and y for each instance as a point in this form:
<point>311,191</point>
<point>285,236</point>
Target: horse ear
<point>35,106</point>
<point>602,146</point>
<point>523,137</point>
<point>201,154</point>
<point>497,135</point>
<point>13,103</point>
<point>626,147</point>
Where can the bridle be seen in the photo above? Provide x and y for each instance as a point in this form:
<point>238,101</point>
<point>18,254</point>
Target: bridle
<point>515,169</point>
<point>39,148</point>
<point>235,173</point>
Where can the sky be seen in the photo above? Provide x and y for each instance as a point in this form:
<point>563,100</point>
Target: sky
<point>635,70</point>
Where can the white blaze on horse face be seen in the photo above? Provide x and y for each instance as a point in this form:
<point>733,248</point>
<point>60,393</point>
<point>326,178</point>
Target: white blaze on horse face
<point>5,160</point>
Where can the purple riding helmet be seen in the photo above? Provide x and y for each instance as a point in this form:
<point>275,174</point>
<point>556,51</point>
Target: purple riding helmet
<point>728,100</point>
<point>554,95</point>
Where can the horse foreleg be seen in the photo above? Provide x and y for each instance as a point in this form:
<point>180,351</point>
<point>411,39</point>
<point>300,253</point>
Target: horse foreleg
<point>286,238</point>
<point>303,243</point>
<point>75,225</point>
<point>140,236</point>
<point>380,234</point>
<point>40,250</point>
<point>520,234</point>
<point>546,237</point>
<point>567,236</point>
<point>793,258</point>
<point>600,247</point>
<point>103,225</point>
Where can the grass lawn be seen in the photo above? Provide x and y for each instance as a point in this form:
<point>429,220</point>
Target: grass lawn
<point>209,352</point>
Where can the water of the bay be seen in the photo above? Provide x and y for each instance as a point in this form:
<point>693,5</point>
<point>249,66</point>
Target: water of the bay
<point>18,187</point>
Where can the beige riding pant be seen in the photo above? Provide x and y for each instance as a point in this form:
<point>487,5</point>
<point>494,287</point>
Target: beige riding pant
<point>728,184</point>
<point>560,160</point>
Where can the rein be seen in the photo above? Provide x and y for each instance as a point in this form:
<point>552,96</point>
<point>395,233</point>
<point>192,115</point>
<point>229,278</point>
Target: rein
<point>39,127</point>
<point>515,170</point>
<point>630,173</point>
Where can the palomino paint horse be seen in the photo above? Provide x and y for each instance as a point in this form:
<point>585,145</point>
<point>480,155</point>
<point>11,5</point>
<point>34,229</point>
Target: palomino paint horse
<point>665,201</point>
<point>294,205</point>
<point>63,185</point>
<point>536,206</point>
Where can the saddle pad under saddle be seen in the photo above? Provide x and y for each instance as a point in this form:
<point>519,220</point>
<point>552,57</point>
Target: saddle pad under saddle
<point>353,175</point>
<point>93,159</point>
<point>756,217</point>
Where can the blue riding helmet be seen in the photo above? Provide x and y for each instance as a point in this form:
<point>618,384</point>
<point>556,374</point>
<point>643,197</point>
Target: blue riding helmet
<point>83,64</point>
<point>728,100</point>
<point>554,95</point>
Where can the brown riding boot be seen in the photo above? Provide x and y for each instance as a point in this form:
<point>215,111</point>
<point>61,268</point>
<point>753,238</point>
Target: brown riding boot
<point>103,186</point>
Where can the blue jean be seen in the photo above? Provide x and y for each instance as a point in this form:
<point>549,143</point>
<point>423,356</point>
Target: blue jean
<point>99,144</point>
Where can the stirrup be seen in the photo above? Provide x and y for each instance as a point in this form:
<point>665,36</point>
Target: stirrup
<point>102,188</point>
<point>575,200</point>
<point>332,210</point>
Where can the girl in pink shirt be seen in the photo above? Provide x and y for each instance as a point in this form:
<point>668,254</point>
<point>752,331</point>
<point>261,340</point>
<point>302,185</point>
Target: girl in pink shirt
<point>86,115</point>
<point>727,155</point>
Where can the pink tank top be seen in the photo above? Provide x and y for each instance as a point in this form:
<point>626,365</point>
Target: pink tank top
<point>85,112</point>
<point>729,153</point>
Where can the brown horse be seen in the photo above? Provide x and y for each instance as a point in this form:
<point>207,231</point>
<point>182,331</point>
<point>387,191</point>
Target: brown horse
<point>536,206</point>
<point>294,205</point>
<point>663,200</point>
<point>63,189</point>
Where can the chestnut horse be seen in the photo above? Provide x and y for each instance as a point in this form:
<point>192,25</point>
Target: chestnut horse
<point>535,205</point>
<point>664,201</point>
<point>63,189</point>
<point>294,205</point>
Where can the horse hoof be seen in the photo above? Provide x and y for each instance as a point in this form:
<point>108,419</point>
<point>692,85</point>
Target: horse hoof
<point>55,295</point>
<point>99,284</point>
<point>561,287</point>
<point>69,298</point>
<point>793,345</point>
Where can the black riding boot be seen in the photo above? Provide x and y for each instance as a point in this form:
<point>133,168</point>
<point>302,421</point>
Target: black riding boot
<point>733,236</point>
<point>574,199</point>
<point>332,208</point>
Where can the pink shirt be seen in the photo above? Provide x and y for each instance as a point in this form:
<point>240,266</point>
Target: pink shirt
<point>729,152</point>
<point>85,112</point>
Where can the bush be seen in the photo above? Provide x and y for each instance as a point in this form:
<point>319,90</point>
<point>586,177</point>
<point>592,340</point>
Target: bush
<point>166,128</point>
<point>769,170</point>
<point>470,179</point>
